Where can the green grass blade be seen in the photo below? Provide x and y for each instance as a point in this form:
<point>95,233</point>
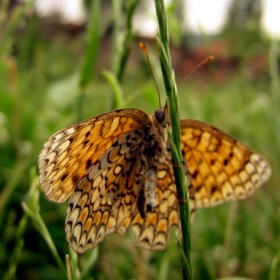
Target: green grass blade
<point>121,46</point>
<point>32,210</point>
<point>174,138</point>
<point>116,88</point>
<point>90,57</point>
<point>92,46</point>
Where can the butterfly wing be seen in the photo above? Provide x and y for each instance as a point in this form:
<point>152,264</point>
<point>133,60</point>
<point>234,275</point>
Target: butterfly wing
<point>106,200</point>
<point>68,154</point>
<point>220,168</point>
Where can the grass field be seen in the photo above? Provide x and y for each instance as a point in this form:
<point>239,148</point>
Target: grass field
<point>39,95</point>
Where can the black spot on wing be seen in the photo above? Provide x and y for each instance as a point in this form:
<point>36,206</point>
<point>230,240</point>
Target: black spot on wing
<point>88,164</point>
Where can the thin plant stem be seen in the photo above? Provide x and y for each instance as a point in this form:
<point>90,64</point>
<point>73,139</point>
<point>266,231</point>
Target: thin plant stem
<point>18,13</point>
<point>7,192</point>
<point>275,264</point>
<point>91,55</point>
<point>275,84</point>
<point>275,89</point>
<point>175,138</point>
<point>74,265</point>
<point>121,45</point>
<point>116,88</point>
<point>32,210</point>
<point>16,253</point>
<point>228,238</point>
<point>128,37</point>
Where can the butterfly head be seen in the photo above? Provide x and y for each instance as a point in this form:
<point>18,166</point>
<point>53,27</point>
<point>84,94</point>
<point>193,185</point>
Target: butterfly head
<point>162,115</point>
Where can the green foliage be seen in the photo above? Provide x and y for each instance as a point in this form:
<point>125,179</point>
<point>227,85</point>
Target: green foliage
<point>39,92</point>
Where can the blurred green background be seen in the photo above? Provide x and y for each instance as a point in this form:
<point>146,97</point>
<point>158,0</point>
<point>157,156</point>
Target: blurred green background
<point>52,75</point>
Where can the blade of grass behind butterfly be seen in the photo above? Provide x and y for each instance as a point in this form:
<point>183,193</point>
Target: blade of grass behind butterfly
<point>121,46</point>
<point>15,253</point>
<point>116,89</point>
<point>86,76</point>
<point>174,137</point>
<point>31,209</point>
<point>91,54</point>
<point>275,120</point>
<point>15,17</point>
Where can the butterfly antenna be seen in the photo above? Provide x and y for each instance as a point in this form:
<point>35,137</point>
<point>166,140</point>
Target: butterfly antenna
<point>205,61</point>
<point>145,50</point>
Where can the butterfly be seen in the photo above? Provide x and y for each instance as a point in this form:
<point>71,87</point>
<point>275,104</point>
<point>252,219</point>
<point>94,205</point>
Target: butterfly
<point>117,170</point>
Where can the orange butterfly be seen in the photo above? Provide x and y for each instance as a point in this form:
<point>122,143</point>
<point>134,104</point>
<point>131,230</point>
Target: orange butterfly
<point>116,170</point>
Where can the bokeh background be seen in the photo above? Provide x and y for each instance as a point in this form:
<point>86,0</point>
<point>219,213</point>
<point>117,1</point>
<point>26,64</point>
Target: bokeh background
<point>60,65</point>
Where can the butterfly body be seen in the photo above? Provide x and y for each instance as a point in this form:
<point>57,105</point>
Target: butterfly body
<point>117,170</point>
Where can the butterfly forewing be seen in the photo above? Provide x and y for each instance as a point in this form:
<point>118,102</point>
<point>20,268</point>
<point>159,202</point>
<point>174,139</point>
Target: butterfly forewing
<point>220,167</point>
<point>69,153</point>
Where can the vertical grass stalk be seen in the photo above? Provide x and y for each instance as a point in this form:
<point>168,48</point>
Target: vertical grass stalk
<point>121,48</point>
<point>16,253</point>
<point>175,138</point>
<point>32,210</point>
<point>275,98</point>
<point>91,55</point>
